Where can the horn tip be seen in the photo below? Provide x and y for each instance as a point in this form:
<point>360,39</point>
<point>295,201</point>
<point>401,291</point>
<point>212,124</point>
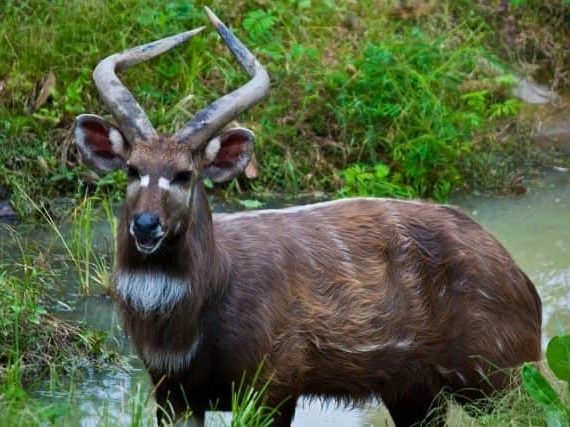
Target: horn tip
<point>193,32</point>
<point>213,18</point>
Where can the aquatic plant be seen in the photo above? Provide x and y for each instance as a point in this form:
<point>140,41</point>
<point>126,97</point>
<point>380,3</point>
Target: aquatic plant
<point>556,407</point>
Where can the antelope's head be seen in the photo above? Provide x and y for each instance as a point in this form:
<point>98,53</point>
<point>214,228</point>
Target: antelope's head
<point>164,169</point>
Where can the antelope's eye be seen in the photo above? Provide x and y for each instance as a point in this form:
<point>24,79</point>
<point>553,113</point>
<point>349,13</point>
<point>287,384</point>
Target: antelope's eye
<point>133,173</point>
<point>182,178</point>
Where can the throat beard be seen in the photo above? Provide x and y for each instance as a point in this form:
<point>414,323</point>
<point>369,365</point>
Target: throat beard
<point>147,291</point>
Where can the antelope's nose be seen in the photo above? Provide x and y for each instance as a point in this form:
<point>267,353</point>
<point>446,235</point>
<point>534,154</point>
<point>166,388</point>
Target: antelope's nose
<point>146,223</point>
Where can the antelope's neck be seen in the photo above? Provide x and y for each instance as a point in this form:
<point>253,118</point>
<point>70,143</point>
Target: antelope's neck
<point>163,298</point>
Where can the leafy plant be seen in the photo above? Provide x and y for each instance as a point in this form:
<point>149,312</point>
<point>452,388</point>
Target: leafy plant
<point>404,106</point>
<point>363,180</point>
<point>557,410</point>
<point>350,86</point>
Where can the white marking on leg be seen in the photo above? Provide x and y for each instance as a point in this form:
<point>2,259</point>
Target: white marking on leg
<point>145,181</point>
<point>151,291</point>
<point>164,183</point>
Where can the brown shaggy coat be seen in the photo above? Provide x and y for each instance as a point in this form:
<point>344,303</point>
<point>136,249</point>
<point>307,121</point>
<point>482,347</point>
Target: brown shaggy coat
<point>348,300</point>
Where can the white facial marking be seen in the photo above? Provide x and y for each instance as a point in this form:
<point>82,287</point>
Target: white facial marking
<point>132,188</point>
<point>170,361</point>
<point>145,181</point>
<point>151,291</point>
<point>164,183</point>
<point>212,149</point>
<point>188,197</point>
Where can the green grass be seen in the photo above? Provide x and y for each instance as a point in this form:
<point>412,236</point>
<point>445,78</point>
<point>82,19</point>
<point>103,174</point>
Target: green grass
<point>354,86</point>
<point>77,236</point>
<point>32,339</point>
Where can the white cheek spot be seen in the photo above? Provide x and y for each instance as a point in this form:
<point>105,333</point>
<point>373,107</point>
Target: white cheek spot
<point>189,198</point>
<point>145,180</point>
<point>164,183</point>
<point>212,149</point>
<point>132,188</point>
<point>151,291</point>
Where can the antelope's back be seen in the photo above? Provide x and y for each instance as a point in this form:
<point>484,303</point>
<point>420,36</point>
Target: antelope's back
<point>373,278</point>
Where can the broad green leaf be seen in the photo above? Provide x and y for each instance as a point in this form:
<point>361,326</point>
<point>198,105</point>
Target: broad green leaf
<point>539,388</point>
<point>558,356</point>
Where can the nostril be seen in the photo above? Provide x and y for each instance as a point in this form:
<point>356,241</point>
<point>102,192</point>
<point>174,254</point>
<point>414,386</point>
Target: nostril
<point>146,222</point>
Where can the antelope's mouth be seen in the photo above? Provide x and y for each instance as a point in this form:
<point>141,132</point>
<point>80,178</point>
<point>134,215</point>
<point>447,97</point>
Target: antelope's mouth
<point>147,243</point>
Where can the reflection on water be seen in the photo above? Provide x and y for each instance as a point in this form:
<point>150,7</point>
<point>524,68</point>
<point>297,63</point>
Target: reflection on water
<point>534,227</point>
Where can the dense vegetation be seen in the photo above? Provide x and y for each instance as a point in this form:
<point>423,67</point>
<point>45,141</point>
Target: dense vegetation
<point>393,100</point>
<point>401,98</point>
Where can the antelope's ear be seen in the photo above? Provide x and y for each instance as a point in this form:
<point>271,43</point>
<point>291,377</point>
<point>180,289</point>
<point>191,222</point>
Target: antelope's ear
<point>228,154</point>
<point>100,143</point>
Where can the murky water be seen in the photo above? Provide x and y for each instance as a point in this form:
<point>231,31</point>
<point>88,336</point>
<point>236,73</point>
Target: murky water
<point>534,227</point>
